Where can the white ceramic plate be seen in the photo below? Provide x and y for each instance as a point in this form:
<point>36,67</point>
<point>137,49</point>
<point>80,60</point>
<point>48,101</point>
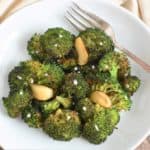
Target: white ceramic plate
<point>14,34</point>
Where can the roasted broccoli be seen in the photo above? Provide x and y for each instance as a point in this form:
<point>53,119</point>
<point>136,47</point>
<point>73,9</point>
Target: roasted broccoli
<point>119,98</point>
<point>96,42</point>
<point>72,86</point>
<point>32,117</point>
<point>18,78</point>
<point>64,101</point>
<point>35,49</point>
<point>16,102</point>
<point>85,108</point>
<point>67,63</point>
<point>63,125</point>
<point>113,65</point>
<point>57,42</point>
<point>102,124</point>
<point>130,84</point>
<point>75,85</point>
<point>89,72</point>
<point>48,107</point>
<point>30,72</point>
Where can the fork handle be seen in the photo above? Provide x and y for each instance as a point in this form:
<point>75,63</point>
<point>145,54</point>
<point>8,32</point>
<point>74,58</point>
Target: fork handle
<point>139,61</point>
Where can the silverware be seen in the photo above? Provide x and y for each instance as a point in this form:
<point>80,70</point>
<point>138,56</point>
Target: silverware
<point>82,19</point>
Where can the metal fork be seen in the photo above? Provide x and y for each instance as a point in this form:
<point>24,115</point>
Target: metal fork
<point>82,19</point>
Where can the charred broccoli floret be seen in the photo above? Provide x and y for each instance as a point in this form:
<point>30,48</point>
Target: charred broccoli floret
<point>57,42</point>
<point>89,72</point>
<point>18,78</point>
<point>102,124</point>
<point>85,108</point>
<point>75,85</point>
<point>32,117</point>
<point>118,97</point>
<point>64,101</point>
<point>67,63</point>
<point>130,84</point>
<point>30,72</point>
<point>48,107</point>
<point>16,102</point>
<point>35,49</point>
<point>63,125</point>
<point>113,65</point>
<point>96,42</point>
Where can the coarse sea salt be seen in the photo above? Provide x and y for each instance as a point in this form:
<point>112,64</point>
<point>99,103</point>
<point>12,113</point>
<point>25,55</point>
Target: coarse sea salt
<point>19,77</point>
<point>68,117</point>
<point>84,108</point>
<point>96,127</point>
<point>28,115</point>
<point>60,35</point>
<point>21,92</point>
<point>75,82</point>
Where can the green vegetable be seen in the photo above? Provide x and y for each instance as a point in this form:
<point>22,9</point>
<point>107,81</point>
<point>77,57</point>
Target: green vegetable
<point>113,65</point>
<point>130,84</point>
<point>48,107</point>
<point>67,63</point>
<point>85,108</point>
<point>97,129</point>
<point>89,72</point>
<point>96,42</point>
<point>35,49</point>
<point>118,97</point>
<point>30,72</point>
<point>57,42</point>
<point>32,117</point>
<point>64,101</point>
<point>63,125</point>
<point>16,102</point>
<point>75,85</point>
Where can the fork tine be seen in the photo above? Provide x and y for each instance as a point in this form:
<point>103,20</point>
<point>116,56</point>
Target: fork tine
<point>86,18</point>
<point>84,25</point>
<point>102,23</point>
<point>76,26</point>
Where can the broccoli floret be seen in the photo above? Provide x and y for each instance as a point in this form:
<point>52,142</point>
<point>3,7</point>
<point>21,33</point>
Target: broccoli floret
<point>89,72</point>
<point>57,42</point>
<point>113,65</point>
<point>85,108</point>
<point>48,107</point>
<point>130,84</point>
<point>96,42</point>
<point>32,117</point>
<point>64,101</point>
<point>16,102</point>
<point>67,63</point>
<point>30,72</point>
<point>75,85</point>
<point>102,124</point>
<point>118,97</point>
<point>18,79</point>
<point>120,101</point>
<point>63,125</point>
<point>35,49</point>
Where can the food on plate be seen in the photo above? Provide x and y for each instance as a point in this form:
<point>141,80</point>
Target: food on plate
<point>96,42</point>
<point>73,85</point>
<point>63,125</point>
